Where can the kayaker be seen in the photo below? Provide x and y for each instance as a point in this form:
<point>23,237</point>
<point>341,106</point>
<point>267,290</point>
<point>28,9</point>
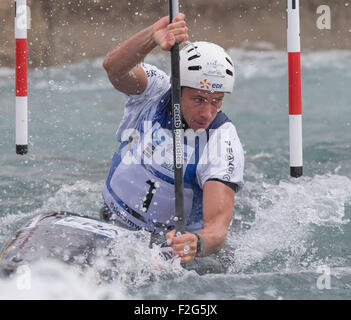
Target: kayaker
<point>139,189</point>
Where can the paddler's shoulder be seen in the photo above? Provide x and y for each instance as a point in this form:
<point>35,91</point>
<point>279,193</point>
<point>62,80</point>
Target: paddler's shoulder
<point>220,120</point>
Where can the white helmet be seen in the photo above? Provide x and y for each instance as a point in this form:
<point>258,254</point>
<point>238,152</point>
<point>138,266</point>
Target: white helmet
<point>206,66</point>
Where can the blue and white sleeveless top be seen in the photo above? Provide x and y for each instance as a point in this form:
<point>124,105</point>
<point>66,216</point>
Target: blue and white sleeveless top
<point>139,190</point>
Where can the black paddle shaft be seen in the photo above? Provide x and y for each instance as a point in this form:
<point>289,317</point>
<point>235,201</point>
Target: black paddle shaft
<point>177,126</point>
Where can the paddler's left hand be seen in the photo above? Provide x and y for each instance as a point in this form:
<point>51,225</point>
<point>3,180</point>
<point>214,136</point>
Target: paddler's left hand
<point>186,240</point>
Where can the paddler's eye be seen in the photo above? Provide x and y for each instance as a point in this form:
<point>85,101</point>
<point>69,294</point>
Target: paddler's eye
<point>217,100</point>
<point>199,100</point>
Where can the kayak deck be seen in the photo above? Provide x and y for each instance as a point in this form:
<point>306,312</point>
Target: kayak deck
<point>77,240</point>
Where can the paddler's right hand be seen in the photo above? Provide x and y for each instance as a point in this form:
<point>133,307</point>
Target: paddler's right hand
<point>179,244</point>
<point>166,34</point>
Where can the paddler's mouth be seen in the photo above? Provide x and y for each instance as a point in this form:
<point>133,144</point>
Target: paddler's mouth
<point>198,125</point>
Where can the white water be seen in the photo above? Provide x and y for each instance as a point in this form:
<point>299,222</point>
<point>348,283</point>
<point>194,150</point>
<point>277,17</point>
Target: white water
<point>289,227</point>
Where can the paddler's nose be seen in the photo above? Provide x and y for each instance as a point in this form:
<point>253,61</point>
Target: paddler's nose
<point>206,111</point>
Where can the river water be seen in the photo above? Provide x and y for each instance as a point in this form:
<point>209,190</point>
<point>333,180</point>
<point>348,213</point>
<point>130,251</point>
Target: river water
<point>295,234</point>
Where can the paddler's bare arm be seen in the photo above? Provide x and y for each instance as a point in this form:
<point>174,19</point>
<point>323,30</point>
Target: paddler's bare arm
<point>218,208</point>
<point>122,63</point>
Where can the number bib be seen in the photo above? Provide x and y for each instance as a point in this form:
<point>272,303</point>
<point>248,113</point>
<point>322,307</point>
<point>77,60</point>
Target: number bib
<point>140,199</point>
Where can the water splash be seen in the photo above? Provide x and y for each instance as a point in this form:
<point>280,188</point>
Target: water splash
<point>287,217</point>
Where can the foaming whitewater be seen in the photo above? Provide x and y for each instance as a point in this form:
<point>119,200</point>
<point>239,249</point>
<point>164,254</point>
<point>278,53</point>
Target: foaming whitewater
<point>287,219</point>
<point>285,231</point>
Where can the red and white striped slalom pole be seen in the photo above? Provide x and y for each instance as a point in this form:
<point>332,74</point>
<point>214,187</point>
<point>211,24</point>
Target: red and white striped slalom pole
<point>21,77</point>
<point>295,109</point>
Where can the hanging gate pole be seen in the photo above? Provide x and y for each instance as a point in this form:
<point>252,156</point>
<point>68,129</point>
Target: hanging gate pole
<point>21,77</point>
<point>295,109</point>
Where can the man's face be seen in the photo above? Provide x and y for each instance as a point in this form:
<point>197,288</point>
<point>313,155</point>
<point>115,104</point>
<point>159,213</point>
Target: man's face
<point>199,107</point>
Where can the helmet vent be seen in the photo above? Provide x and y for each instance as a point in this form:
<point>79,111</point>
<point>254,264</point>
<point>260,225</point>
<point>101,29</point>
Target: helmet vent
<point>194,68</point>
<point>193,48</point>
<point>194,57</point>
<point>229,72</point>
<point>229,61</point>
